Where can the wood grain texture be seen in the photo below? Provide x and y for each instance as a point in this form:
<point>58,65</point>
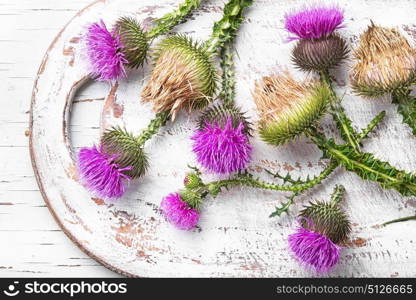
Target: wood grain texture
<point>235,236</point>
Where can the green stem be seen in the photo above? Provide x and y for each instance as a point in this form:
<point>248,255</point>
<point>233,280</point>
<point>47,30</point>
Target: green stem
<point>248,180</point>
<point>406,106</point>
<point>343,122</point>
<point>228,76</point>
<point>399,220</point>
<point>226,29</point>
<point>168,21</point>
<point>153,127</point>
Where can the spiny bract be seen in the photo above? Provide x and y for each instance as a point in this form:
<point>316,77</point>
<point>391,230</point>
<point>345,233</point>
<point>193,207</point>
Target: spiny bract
<point>184,76</point>
<point>327,219</point>
<point>320,54</point>
<point>287,107</point>
<point>134,41</point>
<point>128,151</point>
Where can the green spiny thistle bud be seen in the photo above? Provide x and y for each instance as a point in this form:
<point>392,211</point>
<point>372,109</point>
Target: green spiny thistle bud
<point>184,76</point>
<point>194,199</point>
<point>219,114</point>
<point>320,54</point>
<point>327,218</point>
<point>386,62</point>
<point>192,181</point>
<point>287,107</point>
<point>134,40</point>
<point>127,150</point>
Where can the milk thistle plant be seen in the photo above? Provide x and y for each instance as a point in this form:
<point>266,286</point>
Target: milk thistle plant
<point>323,230</point>
<point>110,51</point>
<point>289,108</point>
<point>107,169</point>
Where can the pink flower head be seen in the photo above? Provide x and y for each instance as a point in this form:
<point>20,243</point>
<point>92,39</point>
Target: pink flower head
<point>314,250</point>
<point>314,22</point>
<point>105,52</point>
<point>178,212</point>
<point>222,149</point>
<point>100,174</point>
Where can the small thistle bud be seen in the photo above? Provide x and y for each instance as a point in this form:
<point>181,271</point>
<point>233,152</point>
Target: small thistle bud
<point>287,107</point>
<point>192,181</point>
<point>320,54</point>
<point>313,22</point>
<point>134,40</point>
<point>128,151</point>
<point>184,76</point>
<point>385,62</point>
<point>178,212</point>
<point>324,227</point>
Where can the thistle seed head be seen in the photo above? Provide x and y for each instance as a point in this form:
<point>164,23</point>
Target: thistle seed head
<point>288,107</point>
<point>385,62</point>
<point>183,77</point>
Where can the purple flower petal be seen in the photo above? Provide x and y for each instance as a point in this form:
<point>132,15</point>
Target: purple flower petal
<point>314,22</point>
<point>105,52</point>
<point>222,149</point>
<point>314,250</point>
<point>178,212</point>
<point>100,174</point>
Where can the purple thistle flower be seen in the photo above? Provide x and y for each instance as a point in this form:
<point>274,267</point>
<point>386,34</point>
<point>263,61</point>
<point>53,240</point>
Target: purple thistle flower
<point>314,22</point>
<point>222,149</point>
<point>178,212</point>
<point>105,52</point>
<point>100,174</point>
<point>314,250</point>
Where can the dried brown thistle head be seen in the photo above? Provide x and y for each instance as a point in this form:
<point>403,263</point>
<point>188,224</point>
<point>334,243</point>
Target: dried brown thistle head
<point>183,77</point>
<point>288,107</point>
<point>386,61</point>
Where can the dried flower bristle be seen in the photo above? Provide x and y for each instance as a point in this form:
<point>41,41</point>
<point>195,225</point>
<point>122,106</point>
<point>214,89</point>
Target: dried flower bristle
<point>320,54</point>
<point>183,78</point>
<point>386,62</point>
<point>288,107</point>
<point>128,151</point>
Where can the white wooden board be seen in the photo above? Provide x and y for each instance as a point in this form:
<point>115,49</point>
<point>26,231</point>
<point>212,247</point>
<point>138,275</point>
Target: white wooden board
<point>235,235</point>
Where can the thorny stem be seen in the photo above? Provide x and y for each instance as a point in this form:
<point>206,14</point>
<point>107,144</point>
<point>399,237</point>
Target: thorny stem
<point>153,127</point>
<point>168,21</point>
<point>340,117</point>
<point>228,77</point>
<point>225,29</point>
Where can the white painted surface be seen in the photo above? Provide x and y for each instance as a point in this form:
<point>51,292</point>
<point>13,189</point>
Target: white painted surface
<point>234,240</point>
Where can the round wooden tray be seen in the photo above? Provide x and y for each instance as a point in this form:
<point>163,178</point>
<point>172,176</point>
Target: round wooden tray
<point>235,237</point>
